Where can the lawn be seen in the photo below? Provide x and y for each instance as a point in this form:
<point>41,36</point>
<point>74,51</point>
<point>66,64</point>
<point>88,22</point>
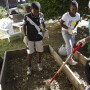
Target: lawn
<point>54,40</point>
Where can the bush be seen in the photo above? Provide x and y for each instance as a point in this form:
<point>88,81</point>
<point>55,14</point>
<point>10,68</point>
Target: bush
<point>53,8</point>
<point>56,8</point>
<point>89,48</point>
<point>2,12</point>
<point>21,6</point>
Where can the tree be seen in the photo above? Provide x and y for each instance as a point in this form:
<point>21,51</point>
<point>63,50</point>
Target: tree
<point>55,8</point>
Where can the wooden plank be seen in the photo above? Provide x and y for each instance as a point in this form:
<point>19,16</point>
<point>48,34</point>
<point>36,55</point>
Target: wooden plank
<point>9,55</point>
<point>22,52</point>
<point>73,79</point>
<point>3,71</point>
<point>18,53</point>
<point>80,57</point>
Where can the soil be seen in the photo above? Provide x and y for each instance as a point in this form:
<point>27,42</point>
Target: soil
<point>79,71</point>
<point>16,73</point>
<point>17,78</point>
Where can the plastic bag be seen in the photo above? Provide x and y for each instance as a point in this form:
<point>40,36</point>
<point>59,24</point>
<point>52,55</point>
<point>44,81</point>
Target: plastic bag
<point>62,50</point>
<point>89,4</point>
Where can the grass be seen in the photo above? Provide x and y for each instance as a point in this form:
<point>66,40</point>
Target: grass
<point>2,12</point>
<point>89,47</point>
<point>15,44</point>
<point>55,40</point>
<point>18,43</point>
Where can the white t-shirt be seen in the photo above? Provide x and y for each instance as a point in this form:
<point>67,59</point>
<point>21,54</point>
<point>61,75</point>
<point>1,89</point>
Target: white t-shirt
<point>70,21</point>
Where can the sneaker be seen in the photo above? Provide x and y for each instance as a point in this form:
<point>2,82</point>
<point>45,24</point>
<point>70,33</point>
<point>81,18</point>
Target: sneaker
<point>72,62</point>
<point>87,88</point>
<point>39,66</point>
<point>29,69</point>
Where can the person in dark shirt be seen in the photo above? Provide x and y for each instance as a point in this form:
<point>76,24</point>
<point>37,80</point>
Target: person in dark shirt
<point>33,34</point>
<point>87,67</point>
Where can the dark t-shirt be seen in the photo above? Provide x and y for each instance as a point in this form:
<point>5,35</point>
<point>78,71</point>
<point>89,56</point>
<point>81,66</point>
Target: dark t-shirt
<point>32,32</point>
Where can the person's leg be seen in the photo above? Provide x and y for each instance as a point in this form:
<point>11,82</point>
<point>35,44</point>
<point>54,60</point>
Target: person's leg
<point>72,42</point>
<point>69,41</point>
<point>39,49</point>
<point>39,54</point>
<point>30,50</point>
<point>87,71</point>
<point>29,56</point>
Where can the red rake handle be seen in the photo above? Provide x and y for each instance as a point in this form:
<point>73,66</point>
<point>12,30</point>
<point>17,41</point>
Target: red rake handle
<point>76,48</point>
<point>54,77</point>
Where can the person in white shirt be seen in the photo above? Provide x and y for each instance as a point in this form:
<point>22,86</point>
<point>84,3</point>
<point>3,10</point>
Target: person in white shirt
<point>69,23</point>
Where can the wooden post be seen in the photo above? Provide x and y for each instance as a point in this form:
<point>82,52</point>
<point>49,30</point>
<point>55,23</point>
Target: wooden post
<point>17,6</point>
<point>7,6</point>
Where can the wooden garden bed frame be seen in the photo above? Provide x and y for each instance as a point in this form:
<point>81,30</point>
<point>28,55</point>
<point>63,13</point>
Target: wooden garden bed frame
<point>47,48</point>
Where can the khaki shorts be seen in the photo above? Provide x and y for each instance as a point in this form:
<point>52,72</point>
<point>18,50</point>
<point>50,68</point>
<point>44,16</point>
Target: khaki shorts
<point>35,46</point>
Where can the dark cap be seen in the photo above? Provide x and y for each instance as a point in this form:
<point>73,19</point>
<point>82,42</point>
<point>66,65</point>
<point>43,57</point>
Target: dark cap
<point>35,5</point>
<point>27,7</point>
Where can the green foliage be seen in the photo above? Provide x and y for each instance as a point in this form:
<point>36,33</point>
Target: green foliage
<point>53,8</point>
<point>56,8</point>
<point>21,6</point>
<point>15,44</point>
<point>89,47</point>
<point>2,12</point>
<point>83,6</point>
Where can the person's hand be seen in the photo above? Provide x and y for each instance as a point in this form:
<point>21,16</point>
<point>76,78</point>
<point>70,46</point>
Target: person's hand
<point>81,41</point>
<point>74,32</point>
<point>46,34</point>
<point>69,31</point>
<point>25,40</point>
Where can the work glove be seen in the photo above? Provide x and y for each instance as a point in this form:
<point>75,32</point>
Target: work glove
<point>69,31</point>
<point>25,40</point>
<point>46,34</point>
<point>81,41</point>
<point>88,59</point>
<point>72,31</point>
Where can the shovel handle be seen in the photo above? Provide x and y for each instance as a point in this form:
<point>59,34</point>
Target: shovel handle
<point>76,48</point>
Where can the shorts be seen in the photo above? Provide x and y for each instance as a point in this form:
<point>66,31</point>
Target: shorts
<point>35,46</point>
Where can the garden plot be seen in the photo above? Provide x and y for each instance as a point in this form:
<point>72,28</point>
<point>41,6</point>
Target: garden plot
<point>17,79</point>
<point>79,71</point>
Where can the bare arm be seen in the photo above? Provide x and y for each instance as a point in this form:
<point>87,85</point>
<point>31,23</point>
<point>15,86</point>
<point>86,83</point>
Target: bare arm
<point>44,26</point>
<point>87,38</point>
<point>62,25</point>
<point>24,29</point>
